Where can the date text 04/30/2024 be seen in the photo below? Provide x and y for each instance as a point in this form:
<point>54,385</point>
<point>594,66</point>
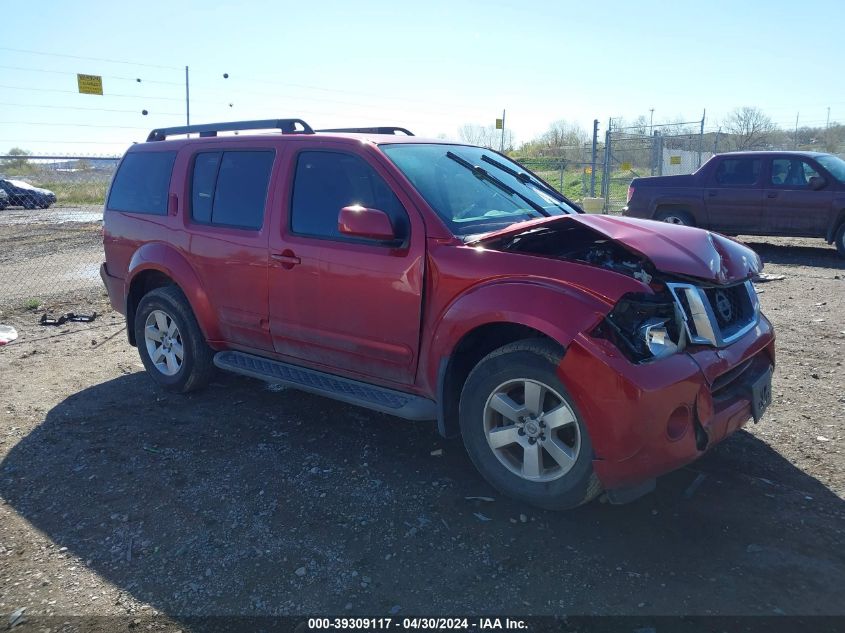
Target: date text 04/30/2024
<point>411,624</point>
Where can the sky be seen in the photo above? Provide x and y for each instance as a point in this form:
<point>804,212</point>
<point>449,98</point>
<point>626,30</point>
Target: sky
<point>429,66</point>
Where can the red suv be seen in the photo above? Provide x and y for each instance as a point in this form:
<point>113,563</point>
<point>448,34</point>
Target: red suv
<point>438,281</point>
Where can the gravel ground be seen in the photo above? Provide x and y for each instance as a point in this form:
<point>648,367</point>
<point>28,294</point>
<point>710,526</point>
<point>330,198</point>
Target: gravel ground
<point>119,499</point>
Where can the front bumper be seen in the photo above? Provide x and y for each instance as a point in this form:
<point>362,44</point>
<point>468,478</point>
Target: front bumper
<point>649,419</point>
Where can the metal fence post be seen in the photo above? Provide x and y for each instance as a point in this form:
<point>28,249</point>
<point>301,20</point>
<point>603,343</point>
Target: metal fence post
<point>593,163</point>
<point>701,138</point>
<point>605,180</point>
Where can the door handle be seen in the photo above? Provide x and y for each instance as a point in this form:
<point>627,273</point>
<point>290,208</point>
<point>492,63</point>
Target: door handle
<point>772,194</point>
<point>287,258</point>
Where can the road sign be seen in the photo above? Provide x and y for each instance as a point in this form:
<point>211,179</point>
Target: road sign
<point>90,84</point>
<point>626,166</point>
<point>674,160</point>
<point>499,124</point>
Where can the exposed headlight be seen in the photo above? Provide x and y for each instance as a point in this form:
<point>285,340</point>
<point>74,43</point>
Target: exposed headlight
<point>645,327</point>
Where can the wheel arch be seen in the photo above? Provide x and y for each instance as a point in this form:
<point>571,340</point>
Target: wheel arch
<point>155,265</point>
<point>833,229</point>
<point>494,316</point>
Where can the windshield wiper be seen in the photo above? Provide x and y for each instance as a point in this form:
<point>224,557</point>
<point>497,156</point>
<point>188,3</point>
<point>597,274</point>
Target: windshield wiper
<point>521,176</point>
<point>482,173</point>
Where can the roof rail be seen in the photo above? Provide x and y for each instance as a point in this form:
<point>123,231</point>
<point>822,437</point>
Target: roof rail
<point>386,129</point>
<point>287,126</point>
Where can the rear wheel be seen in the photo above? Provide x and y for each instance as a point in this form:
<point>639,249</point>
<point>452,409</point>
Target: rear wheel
<point>170,342</point>
<point>522,430</point>
<point>840,240</point>
<point>675,216</point>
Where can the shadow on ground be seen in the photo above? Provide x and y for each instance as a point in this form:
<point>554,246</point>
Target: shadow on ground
<point>242,501</point>
<point>823,255</point>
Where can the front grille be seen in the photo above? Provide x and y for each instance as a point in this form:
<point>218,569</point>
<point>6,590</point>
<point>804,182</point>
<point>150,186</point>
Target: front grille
<point>717,315</point>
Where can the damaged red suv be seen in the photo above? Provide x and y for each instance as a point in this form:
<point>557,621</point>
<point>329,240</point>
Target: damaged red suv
<point>436,281</point>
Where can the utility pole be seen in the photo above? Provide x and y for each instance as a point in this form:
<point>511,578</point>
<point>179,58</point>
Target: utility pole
<point>593,163</point>
<point>701,136</point>
<point>827,123</point>
<point>795,137</point>
<point>187,100</point>
<point>502,148</point>
<point>651,122</point>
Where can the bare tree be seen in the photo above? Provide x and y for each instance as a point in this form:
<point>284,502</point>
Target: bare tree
<point>749,128</point>
<point>564,134</point>
<point>486,136</point>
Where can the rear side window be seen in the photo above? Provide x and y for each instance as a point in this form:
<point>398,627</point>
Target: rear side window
<point>142,182</point>
<point>230,188</point>
<point>738,171</point>
<point>326,182</point>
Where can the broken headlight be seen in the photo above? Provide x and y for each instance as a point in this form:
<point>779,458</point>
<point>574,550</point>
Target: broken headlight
<point>645,327</point>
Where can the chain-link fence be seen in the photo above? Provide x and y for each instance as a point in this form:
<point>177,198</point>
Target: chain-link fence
<point>51,227</point>
<point>634,153</point>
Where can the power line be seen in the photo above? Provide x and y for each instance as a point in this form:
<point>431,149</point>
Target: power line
<point>66,72</point>
<point>73,92</point>
<point>55,107</point>
<point>96,59</point>
<point>121,127</point>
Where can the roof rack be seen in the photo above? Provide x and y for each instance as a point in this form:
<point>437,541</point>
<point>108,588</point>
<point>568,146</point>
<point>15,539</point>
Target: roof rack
<point>386,129</point>
<point>287,126</point>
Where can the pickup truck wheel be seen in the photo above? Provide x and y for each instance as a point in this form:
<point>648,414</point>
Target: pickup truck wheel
<point>522,430</point>
<point>840,240</point>
<point>170,342</point>
<point>675,217</point>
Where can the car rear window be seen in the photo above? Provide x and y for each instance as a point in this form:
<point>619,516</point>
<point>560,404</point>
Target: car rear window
<point>142,182</point>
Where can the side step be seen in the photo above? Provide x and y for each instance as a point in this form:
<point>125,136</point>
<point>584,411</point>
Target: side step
<point>398,403</point>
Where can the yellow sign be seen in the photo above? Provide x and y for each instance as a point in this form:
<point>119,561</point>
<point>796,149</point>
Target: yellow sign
<point>626,166</point>
<point>499,124</point>
<point>674,160</point>
<point>90,84</point>
<point>588,170</point>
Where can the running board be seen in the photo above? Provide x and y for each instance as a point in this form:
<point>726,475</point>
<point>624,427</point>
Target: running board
<point>398,403</point>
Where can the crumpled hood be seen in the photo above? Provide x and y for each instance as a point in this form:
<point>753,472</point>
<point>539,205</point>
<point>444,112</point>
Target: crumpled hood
<point>671,248</point>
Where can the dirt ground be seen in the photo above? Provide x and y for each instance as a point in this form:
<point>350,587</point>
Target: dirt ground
<point>119,499</point>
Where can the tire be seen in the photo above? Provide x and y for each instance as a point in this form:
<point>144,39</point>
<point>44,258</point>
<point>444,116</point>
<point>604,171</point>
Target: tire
<point>673,216</point>
<point>523,466</point>
<point>164,324</point>
<point>840,240</point>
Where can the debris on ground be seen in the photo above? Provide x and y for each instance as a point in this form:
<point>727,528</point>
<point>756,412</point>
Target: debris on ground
<point>690,491</point>
<point>479,498</point>
<point>481,517</point>
<point>764,277</point>
<point>7,334</point>
<point>437,452</point>
<point>68,317</point>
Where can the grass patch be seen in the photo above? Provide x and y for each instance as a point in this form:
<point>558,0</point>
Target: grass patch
<point>32,304</point>
<point>89,193</point>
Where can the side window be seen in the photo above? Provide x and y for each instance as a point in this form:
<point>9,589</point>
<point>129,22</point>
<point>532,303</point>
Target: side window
<point>325,182</point>
<point>792,173</point>
<point>142,182</point>
<point>230,188</point>
<point>738,171</point>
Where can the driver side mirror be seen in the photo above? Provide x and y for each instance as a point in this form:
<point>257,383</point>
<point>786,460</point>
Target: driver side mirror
<point>372,224</point>
<point>817,182</point>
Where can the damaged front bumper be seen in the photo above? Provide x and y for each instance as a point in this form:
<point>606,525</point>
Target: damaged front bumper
<point>645,420</point>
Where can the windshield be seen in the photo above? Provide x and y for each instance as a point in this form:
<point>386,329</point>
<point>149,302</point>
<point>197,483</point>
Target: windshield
<point>834,164</point>
<point>475,190</point>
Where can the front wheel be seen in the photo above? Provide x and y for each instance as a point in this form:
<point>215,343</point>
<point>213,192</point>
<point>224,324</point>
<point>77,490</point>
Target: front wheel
<point>522,429</point>
<point>673,216</point>
<point>170,342</point>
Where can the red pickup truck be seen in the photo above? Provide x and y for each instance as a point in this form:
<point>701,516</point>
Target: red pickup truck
<point>800,194</point>
<point>438,281</point>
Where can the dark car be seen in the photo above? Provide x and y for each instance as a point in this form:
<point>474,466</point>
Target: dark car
<point>800,194</point>
<point>22,194</point>
<point>438,281</point>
